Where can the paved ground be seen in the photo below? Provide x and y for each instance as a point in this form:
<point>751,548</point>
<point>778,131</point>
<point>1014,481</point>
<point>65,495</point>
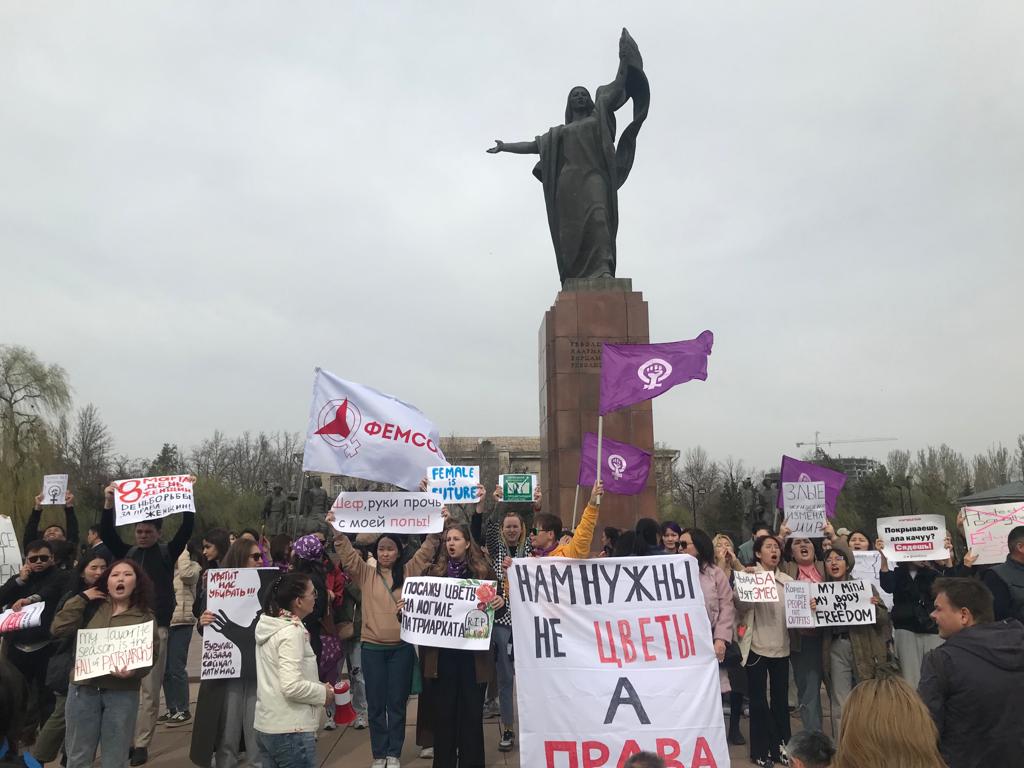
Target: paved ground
<point>349,748</point>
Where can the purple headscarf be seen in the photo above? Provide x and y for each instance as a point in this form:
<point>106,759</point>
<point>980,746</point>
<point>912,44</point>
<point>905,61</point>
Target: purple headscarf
<point>308,547</point>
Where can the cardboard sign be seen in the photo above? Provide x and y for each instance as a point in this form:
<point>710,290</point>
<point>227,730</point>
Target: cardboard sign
<point>55,488</point>
<point>388,513</point>
<point>101,651</point>
<point>987,528</point>
<point>448,613</point>
<point>149,498</point>
<point>913,537</point>
<point>234,596</point>
<point>29,617</point>
<point>517,487</point>
<point>804,508</point>
<point>619,658</point>
<point>455,485</point>
<point>10,553</point>
<point>837,603</point>
<point>868,566</point>
<point>757,587</point>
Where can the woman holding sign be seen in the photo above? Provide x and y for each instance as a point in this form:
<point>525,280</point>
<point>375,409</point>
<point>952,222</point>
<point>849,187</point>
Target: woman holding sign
<point>458,677</point>
<point>101,711</point>
<point>852,654</point>
<point>387,661</point>
<point>764,646</point>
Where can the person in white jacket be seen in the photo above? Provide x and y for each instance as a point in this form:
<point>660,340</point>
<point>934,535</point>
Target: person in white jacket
<point>289,694</point>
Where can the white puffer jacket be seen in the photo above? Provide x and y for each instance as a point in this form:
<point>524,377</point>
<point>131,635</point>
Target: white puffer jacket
<point>289,694</point>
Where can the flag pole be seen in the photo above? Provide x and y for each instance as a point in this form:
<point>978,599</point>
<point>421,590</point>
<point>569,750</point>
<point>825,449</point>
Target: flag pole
<point>575,506</point>
<point>600,433</point>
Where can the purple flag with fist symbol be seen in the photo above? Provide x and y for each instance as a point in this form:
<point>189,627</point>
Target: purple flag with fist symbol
<point>625,469</point>
<point>632,373</point>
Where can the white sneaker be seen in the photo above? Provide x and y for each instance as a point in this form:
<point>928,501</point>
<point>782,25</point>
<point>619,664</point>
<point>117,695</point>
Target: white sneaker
<point>380,762</point>
<point>330,725</point>
<point>393,762</point>
<point>360,722</point>
<point>426,752</point>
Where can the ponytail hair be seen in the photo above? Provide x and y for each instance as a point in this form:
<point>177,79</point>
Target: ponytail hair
<point>285,590</point>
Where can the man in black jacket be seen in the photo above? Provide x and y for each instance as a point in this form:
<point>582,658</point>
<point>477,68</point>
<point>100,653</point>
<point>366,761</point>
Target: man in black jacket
<point>52,532</point>
<point>1006,580</point>
<point>973,685</point>
<point>157,560</point>
<point>38,581</point>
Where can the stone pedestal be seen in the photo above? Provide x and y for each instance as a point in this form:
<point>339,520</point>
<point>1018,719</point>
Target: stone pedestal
<point>585,314</point>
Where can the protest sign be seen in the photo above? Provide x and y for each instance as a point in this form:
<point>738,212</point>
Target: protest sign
<point>101,651</point>
<point>517,487</point>
<point>619,658</point>
<point>798,604</point>
<point>757,587</point>
<point>913,537</point>
<point>55,488</point>
<point>987,528</point>
<point>234,596</point>
<point>388,513</point>
<point>795,471</point>
<point>448,613</point>
<point>837,603</point>
<point>455,485</point>
<point>868,566</point>
<point>27,618</point>
<point>149,498</point>
<point>803,505</point>
<point>10,553</point>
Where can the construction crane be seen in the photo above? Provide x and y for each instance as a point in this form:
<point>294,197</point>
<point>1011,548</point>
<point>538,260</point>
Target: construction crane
<point>818,442</point>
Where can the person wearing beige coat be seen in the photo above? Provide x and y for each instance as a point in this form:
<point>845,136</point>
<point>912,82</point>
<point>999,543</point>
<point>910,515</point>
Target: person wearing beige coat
<point>179,636</point>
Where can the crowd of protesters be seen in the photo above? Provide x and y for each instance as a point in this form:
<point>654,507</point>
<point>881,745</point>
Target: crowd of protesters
<point>938,680</point>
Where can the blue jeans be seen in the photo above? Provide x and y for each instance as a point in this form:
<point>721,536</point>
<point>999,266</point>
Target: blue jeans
<point>287,750</point>
<point>501,637</point>
<point>388,676</point>
<point>807,672</point>
<point>175,675</point>
<point>99,717</point>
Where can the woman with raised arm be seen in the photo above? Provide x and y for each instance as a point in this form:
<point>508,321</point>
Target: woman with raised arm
<point>582,169</point>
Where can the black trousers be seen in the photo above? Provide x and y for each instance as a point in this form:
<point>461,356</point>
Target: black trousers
<point>459,702</point>
<point>769,724</point>
<point>32,666</point>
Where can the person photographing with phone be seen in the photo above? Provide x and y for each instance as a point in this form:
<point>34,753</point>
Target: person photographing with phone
<point>101,711</point>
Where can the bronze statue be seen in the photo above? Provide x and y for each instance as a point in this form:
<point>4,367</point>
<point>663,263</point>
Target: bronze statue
<point>582,169</point>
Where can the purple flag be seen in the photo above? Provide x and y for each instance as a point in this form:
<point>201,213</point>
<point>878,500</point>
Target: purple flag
<point>625,468</point>
<point>796,471</point>
<point>632,373</point>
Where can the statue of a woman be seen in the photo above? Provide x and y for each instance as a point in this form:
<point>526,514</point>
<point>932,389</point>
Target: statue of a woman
<point>582,169</point>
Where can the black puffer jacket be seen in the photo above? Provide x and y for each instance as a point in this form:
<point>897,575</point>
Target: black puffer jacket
<point>49,585</point>
<point>973,686</point>
<point>912,596</point>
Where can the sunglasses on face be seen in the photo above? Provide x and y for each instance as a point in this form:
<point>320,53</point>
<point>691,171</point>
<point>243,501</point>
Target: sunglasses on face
<point>256,556</point>
<point>38,558</point>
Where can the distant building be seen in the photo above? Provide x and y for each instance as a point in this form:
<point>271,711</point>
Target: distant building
<point>855,468</point>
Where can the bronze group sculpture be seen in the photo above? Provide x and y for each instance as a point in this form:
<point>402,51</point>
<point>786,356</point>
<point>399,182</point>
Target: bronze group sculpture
<point>582,169</point>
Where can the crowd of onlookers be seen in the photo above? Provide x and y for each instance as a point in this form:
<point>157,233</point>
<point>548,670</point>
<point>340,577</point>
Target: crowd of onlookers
<point>936,680</point>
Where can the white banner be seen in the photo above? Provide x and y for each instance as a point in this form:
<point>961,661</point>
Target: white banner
<point>55,488</point>
<point>357,431</point>
<point>913,537</point>
<point>868,566</point>
<point>388,513</point>
<point>101,651</point>
<point>448,613</point>
<point>615,656</point>
<point>10,553</point>
<point>837,603</point>
<point>455,485</point>
<point>29,617</point>
<point>229,643</point>
<point>148,498</point>
<point>988,527</point>
<point>757,587</point>
<point>804,508</point>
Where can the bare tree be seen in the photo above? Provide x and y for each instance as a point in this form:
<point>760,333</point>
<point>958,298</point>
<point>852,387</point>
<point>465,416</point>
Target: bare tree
<point>898,465</point>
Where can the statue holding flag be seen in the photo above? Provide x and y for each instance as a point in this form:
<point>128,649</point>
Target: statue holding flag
<point>582,169</point>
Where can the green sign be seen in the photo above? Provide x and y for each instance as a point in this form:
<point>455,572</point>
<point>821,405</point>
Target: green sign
<point>518,487</point>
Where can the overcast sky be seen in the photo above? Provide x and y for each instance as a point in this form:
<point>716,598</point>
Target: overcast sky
<point>200,202</point>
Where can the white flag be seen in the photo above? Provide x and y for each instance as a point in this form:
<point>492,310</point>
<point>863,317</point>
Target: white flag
<point>357,431</point>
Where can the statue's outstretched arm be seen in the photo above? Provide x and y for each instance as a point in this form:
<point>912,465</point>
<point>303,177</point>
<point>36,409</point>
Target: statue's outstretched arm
<point>515,147</point>
<point>629,55</point>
